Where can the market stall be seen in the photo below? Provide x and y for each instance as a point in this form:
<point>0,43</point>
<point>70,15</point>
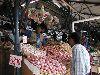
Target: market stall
<point>51,59</point>
<point>42,28</point>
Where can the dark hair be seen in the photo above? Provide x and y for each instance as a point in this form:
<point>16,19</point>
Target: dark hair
<point>75,36</point>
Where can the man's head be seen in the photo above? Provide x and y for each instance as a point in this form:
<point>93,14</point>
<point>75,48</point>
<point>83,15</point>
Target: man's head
<point>73,38</point>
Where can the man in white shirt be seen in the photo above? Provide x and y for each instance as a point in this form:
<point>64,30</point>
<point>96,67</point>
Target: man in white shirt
<point>80,56</point>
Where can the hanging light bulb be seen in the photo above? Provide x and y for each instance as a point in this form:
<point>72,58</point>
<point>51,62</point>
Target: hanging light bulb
<point>56,3</point>
<point>23,5</point>
<point>33,1</point>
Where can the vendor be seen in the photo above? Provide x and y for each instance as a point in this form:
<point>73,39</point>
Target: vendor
<point>38,37</point>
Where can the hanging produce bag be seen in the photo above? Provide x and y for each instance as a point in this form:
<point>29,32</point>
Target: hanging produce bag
<point>15,60</point>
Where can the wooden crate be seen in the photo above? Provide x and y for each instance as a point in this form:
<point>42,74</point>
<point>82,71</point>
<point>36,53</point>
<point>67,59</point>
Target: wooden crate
<point>25,70</point>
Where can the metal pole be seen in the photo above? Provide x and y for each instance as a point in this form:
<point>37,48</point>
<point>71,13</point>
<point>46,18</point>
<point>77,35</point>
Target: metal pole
<point>17,42</point>
<point>90,19</point>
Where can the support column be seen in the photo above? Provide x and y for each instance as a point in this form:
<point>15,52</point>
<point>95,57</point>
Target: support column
<point>16,22</point>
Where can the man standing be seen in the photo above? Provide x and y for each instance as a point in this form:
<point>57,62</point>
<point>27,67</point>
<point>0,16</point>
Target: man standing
<point>80,56</point>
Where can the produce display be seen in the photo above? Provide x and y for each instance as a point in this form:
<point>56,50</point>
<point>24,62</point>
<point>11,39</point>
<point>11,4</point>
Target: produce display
<point>50,59</point>
<point>58,53</point>
<point>48,65</point>
<point>28,50</point>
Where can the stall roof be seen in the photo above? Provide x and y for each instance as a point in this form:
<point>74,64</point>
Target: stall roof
<point>85,8</point>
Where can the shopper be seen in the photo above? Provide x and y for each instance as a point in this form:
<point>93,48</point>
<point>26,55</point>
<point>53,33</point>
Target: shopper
<point>80,56</point>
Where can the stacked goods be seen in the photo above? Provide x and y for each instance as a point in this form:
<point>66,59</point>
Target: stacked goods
<point>50,59</point>
<point>58,53</point>
<point>28,50</point>
<point>66,47</point>
<point>48,65</point>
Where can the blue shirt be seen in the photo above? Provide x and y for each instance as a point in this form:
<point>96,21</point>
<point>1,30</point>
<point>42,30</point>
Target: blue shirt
<point>38,44</point>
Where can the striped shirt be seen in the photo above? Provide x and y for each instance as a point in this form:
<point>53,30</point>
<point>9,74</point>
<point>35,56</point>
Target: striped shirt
<point>80,60</point>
